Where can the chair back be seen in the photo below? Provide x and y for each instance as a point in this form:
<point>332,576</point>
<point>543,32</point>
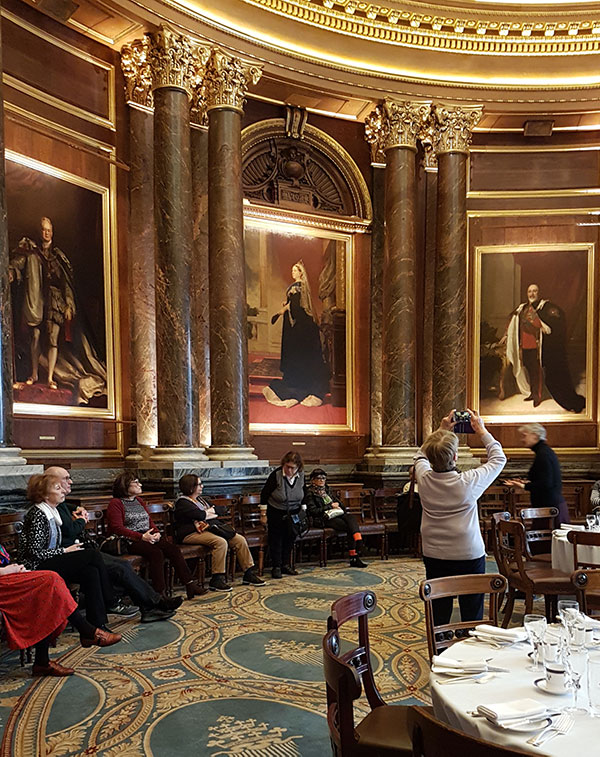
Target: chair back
<point>161,513</point>
<point>9,535</point>
<point>248,517</point>
<point>95,524</point>
<point>584,555</point>
<point>250,499</point>
<point>356,502</point>
<point>495,540</point>
<point>433,738</point>
<point>343,688</point>
<point>538,522</point>
<point>442,636</point>
<point>512,549</point>
<point>587,585</point>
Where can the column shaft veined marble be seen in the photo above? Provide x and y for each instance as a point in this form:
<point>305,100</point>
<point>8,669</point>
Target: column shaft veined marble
<point>449,355</point>
<point>399,316</point>
<point>199,289</point>
<point>173,221</point>
<point>142,255</point>
<point>228,337</point>
<point>377,247</point>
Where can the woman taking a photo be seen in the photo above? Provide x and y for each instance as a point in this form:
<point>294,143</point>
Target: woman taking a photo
<point>40,548</point>
<point>127,516</point>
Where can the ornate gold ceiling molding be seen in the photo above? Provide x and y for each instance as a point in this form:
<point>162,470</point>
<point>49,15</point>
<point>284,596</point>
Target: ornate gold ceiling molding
<point>496,34</point>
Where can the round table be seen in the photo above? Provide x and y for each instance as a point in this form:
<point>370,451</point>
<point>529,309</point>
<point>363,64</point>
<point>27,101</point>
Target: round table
<point>452,702</point>
<point>562,553</point>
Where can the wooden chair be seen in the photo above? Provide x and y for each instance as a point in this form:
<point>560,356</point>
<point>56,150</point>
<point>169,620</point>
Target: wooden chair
<point>359,505</point>
<point>9,538</point>
<point>248,524</point>
<point>384,505</point>
<point>442,636</point>
<point>587,587</point>
<point>539,523</point>
<point>523,575</point>
<point>433,738</point>
<point>164,516</point>
<point>583,558</point>
<point>495,499</point>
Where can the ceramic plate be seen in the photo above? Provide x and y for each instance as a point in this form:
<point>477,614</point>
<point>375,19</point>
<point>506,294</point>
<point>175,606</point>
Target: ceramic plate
<point>530,725</point>
<point>540,683</point>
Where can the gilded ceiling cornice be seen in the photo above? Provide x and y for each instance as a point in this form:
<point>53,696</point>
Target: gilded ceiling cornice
<point>496,33</point>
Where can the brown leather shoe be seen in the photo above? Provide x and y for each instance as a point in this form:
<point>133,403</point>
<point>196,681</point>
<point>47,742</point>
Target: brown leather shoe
<point>101,639</point>
<point>194,590</point>
<point>52,669</point>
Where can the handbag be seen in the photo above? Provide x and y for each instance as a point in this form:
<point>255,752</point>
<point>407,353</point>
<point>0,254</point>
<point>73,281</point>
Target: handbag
<point>115,545</point>
<point>221,529</point>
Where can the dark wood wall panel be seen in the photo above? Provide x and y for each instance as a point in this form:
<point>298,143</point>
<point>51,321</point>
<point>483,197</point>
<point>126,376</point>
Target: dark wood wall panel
<point>519,171</point>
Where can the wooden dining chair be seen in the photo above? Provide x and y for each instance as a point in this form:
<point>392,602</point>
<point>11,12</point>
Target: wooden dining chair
<point>442,636</point>
<point>525,576</point>
<point>539,523</point>
<point>433,738</point>
<point>588,539</point>
<point>382,732</point>
<point>587,587</point>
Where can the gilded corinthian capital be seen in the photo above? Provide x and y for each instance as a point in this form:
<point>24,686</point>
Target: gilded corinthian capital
<point>227,79</point>
<point>405,122</point>
<point>453,127</point>
<point>136,70</point>
<point>375,126</point>
<point>175,61</point>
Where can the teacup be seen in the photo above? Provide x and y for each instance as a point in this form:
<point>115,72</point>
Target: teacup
<point>555,678</point>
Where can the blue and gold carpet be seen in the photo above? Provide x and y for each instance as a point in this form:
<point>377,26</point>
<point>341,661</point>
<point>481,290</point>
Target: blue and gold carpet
<point>231,675</point>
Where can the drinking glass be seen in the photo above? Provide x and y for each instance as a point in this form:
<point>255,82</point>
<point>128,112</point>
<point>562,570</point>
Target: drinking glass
<point>590,521</point>
<point>594,684</point>
<point>568,612</point>
<point>576,665</point>
<point>535,625</point>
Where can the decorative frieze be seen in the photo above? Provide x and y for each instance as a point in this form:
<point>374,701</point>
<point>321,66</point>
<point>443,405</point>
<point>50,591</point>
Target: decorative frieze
<point>227,79</point>
<point>175,61</point>
<point>453,127</point>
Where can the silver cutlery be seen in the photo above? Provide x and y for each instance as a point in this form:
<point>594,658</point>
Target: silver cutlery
<point>483,677</point>
<point>559,727</point>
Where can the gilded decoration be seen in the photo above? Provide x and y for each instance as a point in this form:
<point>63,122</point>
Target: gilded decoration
<point>175,60</point>
<point>227,79</point>
<point>497,32</point>
<point>375,125</point>
<point>136,70</point>
<point>405,122</point>
<point>453,127</point>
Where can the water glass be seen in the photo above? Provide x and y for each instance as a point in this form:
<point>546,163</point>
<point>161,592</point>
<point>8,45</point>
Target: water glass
<point>590,522</point>
<point>594,684</point>
<point>576,663</point>
<point>535,625</point>
<point>568,611</point>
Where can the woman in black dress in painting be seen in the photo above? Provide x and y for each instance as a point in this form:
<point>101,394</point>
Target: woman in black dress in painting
<point>305,374</point>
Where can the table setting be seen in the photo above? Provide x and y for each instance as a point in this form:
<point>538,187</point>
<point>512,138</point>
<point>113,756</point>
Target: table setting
<point>526,687</point>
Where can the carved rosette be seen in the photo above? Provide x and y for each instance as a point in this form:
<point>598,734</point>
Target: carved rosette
<point>453,127</point>
<point>136,70</point>
<point>375,134</point>
<point>227,79</point>
<point>175,61</point>
<point>406,121</point>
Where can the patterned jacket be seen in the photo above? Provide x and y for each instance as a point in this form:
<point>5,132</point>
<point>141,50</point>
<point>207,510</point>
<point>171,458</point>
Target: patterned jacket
<point>34,540</point>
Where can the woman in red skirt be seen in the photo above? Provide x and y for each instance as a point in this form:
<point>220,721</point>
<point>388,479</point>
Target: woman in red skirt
<point>35,607</point>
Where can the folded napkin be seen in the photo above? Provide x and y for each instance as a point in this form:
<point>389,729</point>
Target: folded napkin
<point>502,634</point>
<point>517,709</point>
<point>590,622</point>
<point>571,527</point>
<point>445,664</point>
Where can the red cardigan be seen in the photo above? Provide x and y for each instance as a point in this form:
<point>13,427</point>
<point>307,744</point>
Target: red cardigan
<point>115,519</point>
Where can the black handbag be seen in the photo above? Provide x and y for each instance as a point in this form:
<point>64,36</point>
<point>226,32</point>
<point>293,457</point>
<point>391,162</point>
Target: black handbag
<point>115,545</point>
<point>222,530</point>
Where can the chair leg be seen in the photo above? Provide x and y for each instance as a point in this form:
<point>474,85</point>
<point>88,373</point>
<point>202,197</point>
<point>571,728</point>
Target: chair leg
<point>508,609</point>
<point>528,602</point>
<point>261,560</point>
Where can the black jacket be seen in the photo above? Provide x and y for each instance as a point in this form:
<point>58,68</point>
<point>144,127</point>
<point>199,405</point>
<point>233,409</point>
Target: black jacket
<point>545,482</point>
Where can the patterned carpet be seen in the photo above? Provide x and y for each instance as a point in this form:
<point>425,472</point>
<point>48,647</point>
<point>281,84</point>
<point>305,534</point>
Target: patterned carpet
<point>231,675</point>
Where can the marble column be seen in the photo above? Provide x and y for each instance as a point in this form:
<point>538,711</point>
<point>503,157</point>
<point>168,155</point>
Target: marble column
<point>225,84</point>
<point>10,458</point>
<point>199,280</point>
<point>175,65</point>
<point>142,251</point>
<point>377,247</point>
<point>401,124</point>
<point>452,132</point>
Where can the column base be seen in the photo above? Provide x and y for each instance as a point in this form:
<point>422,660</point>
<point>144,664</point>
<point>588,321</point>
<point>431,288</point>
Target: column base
<point>398,458</point>
<point>14,475</point>
<point>234,454</point>
<point>12,456</point>
<point>177,454</point>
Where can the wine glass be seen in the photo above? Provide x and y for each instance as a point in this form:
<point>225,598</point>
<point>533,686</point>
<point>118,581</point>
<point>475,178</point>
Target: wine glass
<point>590,522</point>
<point>535,625</point>
<point>568,611</point>
<point>576,663</point>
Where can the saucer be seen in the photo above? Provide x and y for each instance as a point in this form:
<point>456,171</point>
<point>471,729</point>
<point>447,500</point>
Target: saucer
<point>540,684</point>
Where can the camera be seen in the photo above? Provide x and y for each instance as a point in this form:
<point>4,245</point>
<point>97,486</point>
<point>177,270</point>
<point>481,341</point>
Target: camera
<point>462,422</point>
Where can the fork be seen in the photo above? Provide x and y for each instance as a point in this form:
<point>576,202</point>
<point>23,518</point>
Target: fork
<point>559,728</point>
<point>482,677</point>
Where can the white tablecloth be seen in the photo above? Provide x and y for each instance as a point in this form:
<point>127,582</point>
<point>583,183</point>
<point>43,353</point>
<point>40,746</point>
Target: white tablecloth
<point>452,702</point>
<point>562,553</point>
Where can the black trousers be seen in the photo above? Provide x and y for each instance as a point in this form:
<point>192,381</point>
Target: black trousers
<point>345,522</point>
<point>471,605</point>
<point>531,361</point>
<point>281,537</point>
<point>88,570</point>
<point>124,578</point>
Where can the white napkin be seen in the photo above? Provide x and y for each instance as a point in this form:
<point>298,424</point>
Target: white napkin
<point>571,527</point>
<point>502,634</point>
<point>445,664</point>
<point>513,710</point>
<point>590,622</point>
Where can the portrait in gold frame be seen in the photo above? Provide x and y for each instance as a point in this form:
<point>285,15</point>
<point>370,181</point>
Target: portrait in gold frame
<point>532,349</point>
<point>78,213</point>
<point>273,248</point>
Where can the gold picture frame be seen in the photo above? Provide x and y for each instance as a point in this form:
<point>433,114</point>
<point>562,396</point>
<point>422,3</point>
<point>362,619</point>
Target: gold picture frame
<point>274,243</point>
<point>533,351</point>
<point>38,189</point>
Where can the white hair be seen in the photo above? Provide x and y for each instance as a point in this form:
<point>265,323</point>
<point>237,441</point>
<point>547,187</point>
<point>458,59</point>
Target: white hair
<point>534,428</point>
